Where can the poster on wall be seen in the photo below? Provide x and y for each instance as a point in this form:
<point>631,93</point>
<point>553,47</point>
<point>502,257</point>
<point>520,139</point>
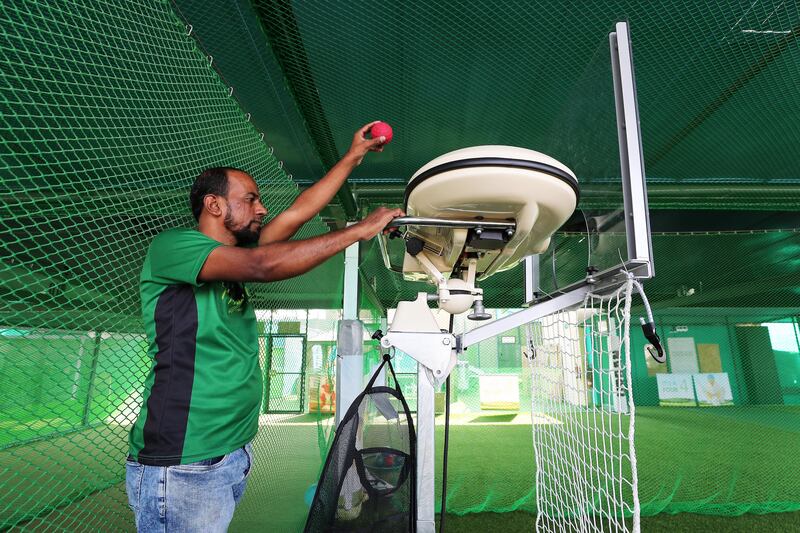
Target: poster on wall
<point>710,360</point>
<point>713,389</point>
<point>675,390</point>
<point>682,355</point>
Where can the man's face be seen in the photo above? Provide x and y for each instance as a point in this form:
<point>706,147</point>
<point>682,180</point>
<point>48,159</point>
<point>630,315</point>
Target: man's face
<point>244,210</point>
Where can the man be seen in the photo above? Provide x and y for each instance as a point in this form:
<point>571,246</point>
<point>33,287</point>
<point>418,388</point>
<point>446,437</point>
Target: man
<point>190,451</point>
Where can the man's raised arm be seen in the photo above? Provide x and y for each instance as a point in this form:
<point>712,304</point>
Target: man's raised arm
<point>285,259</point>
<point>311,201</point>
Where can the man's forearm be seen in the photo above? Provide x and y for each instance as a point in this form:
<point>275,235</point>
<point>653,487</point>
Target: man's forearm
<point>286,259</point>
<point>278,260</point>
<point>311,201</point>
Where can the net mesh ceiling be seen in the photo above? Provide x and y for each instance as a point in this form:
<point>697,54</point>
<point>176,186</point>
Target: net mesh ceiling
<point>717,83</point>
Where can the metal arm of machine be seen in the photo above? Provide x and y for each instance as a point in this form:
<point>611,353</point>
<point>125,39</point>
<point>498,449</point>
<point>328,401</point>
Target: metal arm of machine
<point>523,317</point>
<point>436,276</point>
<point>449,223</point>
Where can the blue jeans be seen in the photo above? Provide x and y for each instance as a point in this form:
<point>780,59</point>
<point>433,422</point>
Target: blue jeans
<point>192,497</point>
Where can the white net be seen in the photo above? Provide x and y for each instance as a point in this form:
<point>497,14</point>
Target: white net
<point>583,416</point>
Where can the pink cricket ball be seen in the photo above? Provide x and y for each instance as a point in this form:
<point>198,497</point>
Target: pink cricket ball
<point>381,129</point>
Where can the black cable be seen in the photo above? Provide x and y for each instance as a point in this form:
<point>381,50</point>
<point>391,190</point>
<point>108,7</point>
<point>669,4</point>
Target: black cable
<point>444,453</point>
<point>446,442</point>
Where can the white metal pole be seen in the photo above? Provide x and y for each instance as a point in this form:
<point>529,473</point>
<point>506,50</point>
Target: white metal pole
<point>425,451</point>
<point>349,368</point>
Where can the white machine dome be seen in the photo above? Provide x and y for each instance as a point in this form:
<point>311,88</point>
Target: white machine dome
<point>488,184</point>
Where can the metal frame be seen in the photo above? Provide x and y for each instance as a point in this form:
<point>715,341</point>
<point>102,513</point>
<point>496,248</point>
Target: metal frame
<point>450,223</point>
<point>523,317</point>
<point>383,243</point>
<point>637,214</point>
<point>634,188</point>
<point>432,350</point>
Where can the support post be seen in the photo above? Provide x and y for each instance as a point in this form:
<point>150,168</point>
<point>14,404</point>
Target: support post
<point>87,408</point>
<point>349,367</point>
<point>425,453</point>
<point>532,279</point>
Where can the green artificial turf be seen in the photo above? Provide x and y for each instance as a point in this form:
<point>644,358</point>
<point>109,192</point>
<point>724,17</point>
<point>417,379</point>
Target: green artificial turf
<point>710,461</point>
<point>715,461</point>
<point>521,522</point>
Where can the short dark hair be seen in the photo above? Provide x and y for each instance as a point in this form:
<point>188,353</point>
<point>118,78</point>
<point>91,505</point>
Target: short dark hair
<point>211,181</point>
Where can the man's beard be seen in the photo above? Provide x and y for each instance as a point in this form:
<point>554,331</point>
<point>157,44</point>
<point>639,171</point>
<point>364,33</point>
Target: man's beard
<point>243,235</point>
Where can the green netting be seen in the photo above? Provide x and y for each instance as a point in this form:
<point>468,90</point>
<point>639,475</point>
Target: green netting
<point>109,111</point>
<point>716,86</point>
<point>243,58</point>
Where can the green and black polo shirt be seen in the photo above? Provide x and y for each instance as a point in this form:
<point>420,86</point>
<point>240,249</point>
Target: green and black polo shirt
<point>203,393</point>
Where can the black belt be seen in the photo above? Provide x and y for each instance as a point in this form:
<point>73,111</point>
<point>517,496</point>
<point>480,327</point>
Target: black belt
<point>212,461</point>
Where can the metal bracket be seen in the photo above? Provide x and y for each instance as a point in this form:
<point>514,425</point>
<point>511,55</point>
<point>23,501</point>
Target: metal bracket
<point>520,318</point>
<point>435,351</point>
<point>414,331</point>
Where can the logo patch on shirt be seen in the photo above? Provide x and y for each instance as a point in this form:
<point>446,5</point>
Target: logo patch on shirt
<point>236,296</point>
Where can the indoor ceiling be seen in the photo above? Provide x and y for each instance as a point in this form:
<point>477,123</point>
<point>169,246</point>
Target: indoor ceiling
<point>717,89</point>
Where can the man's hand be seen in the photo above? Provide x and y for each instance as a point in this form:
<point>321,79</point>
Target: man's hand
<point>376,222</point>
<point>311,201</point>
<point>361,145</point>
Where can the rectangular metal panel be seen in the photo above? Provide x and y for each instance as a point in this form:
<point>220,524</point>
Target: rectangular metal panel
<point>532,288</point>
<point>637,216</point>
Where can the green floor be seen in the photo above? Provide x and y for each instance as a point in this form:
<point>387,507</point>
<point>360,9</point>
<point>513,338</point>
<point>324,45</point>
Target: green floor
<point>723,461</point>
<point>707,461</point>
<point>519,522</point>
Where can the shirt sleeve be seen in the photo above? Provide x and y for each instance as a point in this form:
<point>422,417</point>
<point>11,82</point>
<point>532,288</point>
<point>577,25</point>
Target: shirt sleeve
<point>176,256</point>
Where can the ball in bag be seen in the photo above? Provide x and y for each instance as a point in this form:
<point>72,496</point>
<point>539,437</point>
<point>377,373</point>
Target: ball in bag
<point>381,129</point>
<point>309,495</point>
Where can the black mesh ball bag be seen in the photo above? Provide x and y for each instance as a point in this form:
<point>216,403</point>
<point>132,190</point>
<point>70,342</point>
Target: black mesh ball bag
<point>369,480</point>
